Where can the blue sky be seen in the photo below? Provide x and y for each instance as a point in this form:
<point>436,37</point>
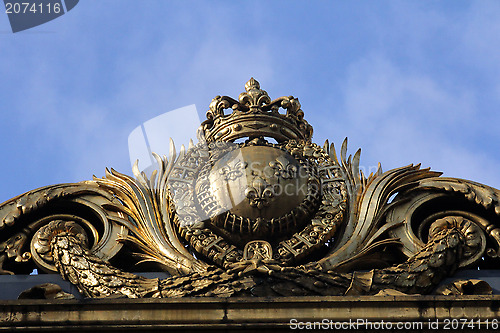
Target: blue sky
<point>407,81</point>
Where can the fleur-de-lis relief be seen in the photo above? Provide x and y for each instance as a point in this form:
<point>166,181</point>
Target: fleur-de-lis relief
<point>283,168</point>
<point>259,193</point>
<point>312,225</point>
<point>254,97</point>
<point>232,172</point>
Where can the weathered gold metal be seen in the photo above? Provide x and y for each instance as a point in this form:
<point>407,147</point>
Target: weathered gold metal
<point>240,214</point>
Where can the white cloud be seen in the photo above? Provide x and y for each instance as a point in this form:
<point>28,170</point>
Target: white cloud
<point>400,117</point>
<point>425,89</point>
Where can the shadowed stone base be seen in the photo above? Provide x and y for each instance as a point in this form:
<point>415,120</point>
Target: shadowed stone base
<point>255,314</point>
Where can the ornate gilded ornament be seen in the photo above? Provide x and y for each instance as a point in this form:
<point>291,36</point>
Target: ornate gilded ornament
<point>255,209</point>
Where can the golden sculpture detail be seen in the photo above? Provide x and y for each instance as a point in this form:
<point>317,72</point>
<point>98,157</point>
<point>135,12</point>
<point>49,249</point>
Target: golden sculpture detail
<point>255,209</point>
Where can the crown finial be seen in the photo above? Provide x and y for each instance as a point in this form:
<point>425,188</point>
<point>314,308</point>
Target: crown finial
<point>254,97</point>
<point>252,84</point>
<point>254,115</point>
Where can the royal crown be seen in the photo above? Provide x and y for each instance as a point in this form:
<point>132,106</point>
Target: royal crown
<point>255,115</point>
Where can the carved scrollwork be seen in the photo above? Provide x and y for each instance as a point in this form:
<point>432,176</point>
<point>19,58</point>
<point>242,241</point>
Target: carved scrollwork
<point>474,236</point>
<point>96,278</point>
<point>24,215</point>
<point>474,205</point>
<point>41,244</point>
<point>219,219</point>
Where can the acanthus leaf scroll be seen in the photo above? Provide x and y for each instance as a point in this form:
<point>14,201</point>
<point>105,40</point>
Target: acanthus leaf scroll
<point>255,218</point>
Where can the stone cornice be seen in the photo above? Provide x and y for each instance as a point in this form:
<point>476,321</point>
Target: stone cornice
<point>206,313</point>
